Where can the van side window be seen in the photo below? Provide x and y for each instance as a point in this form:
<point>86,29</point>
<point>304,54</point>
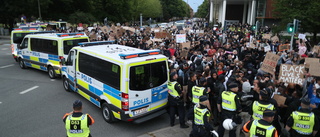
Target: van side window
<point>44,45</point>
<point>70,58</point>
<point>24,43</point>
<point>102,70</point>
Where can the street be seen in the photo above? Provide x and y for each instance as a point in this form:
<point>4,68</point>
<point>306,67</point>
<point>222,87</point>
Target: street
<point>32,105</point>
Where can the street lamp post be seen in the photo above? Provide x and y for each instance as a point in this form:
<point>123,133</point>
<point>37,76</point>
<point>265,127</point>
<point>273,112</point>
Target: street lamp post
<point>39,10</point>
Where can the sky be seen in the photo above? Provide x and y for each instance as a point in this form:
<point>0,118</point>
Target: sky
<point>194,4</point>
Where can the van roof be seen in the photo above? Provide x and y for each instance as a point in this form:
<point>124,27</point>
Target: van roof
<point>117,52</point>
<point>58,35</point>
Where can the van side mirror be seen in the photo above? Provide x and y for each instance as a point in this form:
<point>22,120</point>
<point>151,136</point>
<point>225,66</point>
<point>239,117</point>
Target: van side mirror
<point>63,61</point>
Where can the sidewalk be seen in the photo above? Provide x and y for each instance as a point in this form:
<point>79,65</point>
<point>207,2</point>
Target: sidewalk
<point>174,131</point>
<point>4,37</point>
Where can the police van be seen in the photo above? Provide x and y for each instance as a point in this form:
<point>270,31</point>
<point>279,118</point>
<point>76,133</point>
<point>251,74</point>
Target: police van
<point>45,51</point>
<point>128,84</point>
<point>17,36</point>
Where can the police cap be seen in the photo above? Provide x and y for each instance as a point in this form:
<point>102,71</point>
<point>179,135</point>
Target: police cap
<point>77,103</point>
<point>203,98</point>
<point>268,113</point>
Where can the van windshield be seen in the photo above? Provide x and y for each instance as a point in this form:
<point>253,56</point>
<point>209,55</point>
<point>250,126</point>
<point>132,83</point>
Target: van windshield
<point>148,76</point>
<point>69,44</point>
<point>18,37</point>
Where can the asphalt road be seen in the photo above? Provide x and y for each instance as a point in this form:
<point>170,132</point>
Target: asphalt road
<point>32,105</point>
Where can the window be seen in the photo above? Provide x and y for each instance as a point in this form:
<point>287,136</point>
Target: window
<point>102,70</point>
<point>69,44</point>
<point>147,76</point>
<point>24,44</point>
<point>70,58</point>
<point>18,37</point>
<point>44,45</point>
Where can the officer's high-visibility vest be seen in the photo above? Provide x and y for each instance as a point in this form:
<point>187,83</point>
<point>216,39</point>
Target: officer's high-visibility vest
<point>77,126</point>
<point>196,93</point>
<point>303,122</point>
<point>199,114</point>
<point>258,109</point>
<point>172,91</point>
<point>259,130</point>
<point>228,101</point>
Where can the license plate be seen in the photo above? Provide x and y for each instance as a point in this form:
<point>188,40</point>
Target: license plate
<point>140,111</point>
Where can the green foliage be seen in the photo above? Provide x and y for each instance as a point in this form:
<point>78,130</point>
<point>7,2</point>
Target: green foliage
<point>304,10</point>
<point>175,8</point>
<point>81,17</point>
<point>203,10</point>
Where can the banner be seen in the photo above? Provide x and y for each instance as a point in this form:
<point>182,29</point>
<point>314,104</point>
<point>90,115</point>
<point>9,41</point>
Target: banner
<point>291,74</point>
<point>270,62</point>
<point>181,38</point>
<point>161,35</point>
<point>284,47</point>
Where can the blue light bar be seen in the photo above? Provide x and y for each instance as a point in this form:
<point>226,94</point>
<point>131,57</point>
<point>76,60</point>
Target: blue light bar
<point>96,43</point>
<point>140,54</point>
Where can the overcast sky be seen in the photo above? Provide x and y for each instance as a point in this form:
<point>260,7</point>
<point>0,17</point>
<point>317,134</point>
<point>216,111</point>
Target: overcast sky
<point>194,4</point>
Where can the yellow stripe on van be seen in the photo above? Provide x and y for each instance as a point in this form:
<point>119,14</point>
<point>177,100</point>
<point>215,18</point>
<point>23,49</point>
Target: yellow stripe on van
<point>34,58</point>
<point>113,100</point>
<point>35,66</point>
<point>83,84</point>
<point>54,62</point>
<point>116,115</point>
<point>148,62</point>
<point>161,105</point>
<point>84,94</point>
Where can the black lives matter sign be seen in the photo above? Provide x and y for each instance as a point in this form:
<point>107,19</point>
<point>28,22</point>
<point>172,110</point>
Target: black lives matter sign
<point>292,73</point>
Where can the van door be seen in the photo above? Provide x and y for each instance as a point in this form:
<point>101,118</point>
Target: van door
<point>147,87</point>
<point>71,68</point>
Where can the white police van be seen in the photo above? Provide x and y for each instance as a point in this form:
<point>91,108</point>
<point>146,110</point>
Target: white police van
<point>128,84</point>
<point>45,51</point>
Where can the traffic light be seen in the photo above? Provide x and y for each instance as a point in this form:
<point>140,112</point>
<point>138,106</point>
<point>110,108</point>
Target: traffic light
<point>253,27</point>
<point>297,26</point>
<point>290,27</point>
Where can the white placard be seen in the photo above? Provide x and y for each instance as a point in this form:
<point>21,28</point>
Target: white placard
<point>302,36</point>
<point>181,38</point>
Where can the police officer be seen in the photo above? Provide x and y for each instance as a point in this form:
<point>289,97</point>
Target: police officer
<point>258,107</point>
<point>199,90</point>
<point>303,123</point>
<point>176,103</point>
<point>229,106</point>
<point>262,127</point>
<point>200,115</point>
<point>77,123</point>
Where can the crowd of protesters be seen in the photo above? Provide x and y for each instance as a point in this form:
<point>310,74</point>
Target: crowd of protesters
<point>222,58</point>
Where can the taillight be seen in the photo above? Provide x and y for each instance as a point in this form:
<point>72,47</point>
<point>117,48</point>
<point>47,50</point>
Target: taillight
<point>125,102</point>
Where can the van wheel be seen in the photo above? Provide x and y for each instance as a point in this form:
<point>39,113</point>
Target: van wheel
<point>21,64</point>
<point>51,72</point>
<point>107,113</point>
<point>66,84</point>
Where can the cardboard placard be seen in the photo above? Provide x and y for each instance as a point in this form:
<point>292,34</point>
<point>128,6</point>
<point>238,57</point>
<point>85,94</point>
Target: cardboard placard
<point>316,49</point>
<point>292,74</point>
<point>275,38</point>
<point>302,36</point>
<point>270,62</point>
<point>186,44</point>
<point>181,38</point>
<point>161,35</point>
<point>284,47</point>
<point>182,31</point>
<point>309,61</point>
<point>104,29</point>
<point>280,99</point>
<point>266,36</point>
<point>314,69</point>
<point>184,53</point>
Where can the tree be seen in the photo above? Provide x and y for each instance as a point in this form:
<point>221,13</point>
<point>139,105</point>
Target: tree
<point>203,10</point>
<point>175,8</point>
<point>81,17</point>
<point>304,10</point>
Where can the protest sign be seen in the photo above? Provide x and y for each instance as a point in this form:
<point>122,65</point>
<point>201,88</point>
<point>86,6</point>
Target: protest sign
<point>267,48</point>
<point>161,35</point>
<point>104,29</point>
<point>266,36</point>
<point>182,31</point>
<point>275,39</point>
<point>270,62</point>
<point>314,69</point>
<point>186,44</point>
<point>316,49</point>
<point>302,36</point>
<point>309,61</point>
<point>181,38</point>
<point>280,99</point>
<point>291,74</point>
<point>284,47</point>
